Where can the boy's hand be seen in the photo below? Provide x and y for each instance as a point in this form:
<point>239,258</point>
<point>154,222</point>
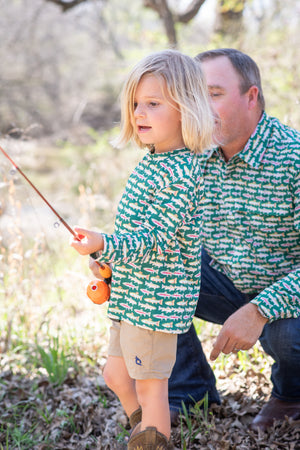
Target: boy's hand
<point>88,241</point>
<point>94,267</point>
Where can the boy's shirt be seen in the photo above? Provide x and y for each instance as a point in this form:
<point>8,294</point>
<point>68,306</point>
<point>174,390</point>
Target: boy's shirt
<point>156,247</point>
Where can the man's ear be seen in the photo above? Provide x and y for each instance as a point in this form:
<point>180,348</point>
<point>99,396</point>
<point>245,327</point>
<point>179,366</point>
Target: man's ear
<point>252,97</point>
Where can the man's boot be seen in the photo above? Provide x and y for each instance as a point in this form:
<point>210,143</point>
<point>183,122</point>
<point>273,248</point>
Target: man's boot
<point>149,439</point>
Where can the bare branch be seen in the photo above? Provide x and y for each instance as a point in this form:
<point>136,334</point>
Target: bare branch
<point>153,4</point>
<point>170,18</point>
<point>164,12</point>
<point>190,12</point>
<point>65,5</point>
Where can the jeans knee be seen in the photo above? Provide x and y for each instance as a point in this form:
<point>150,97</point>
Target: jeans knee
<point>281,339</point>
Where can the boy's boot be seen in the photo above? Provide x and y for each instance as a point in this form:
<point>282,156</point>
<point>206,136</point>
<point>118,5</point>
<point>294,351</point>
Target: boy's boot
<point>149,439</point>
<point>135,422</point>
<point>135,417</point>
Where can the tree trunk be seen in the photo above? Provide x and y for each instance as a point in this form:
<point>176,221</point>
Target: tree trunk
<point>170,18</point>
<point>230,17</point>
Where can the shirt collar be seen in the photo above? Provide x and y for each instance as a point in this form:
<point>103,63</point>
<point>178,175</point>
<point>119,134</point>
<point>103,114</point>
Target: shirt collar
<point>256,146</point>
<point>254,150</point>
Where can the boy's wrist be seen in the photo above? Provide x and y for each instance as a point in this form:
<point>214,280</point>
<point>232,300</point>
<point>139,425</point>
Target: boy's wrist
<point>96,255</point>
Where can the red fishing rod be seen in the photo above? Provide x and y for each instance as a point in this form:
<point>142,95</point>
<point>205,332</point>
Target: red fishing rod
<point>98,291</point>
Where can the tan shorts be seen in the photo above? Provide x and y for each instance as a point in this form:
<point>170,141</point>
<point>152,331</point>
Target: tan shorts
<point>147,354</point>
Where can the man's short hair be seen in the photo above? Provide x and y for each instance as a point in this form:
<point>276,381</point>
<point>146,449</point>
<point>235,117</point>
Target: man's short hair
<point>246,68</point>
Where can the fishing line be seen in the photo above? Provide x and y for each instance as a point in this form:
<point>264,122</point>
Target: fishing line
<point>104,269</point>
<point>40,240</point>
<point>40,194</point>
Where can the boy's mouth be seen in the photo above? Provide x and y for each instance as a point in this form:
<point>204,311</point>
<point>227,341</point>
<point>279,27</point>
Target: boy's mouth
<point>142,128</point>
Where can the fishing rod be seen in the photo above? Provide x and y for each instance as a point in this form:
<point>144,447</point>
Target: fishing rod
<point>96,290</point>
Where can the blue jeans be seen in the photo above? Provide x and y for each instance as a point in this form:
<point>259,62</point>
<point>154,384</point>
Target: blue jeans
<point>192,376</point>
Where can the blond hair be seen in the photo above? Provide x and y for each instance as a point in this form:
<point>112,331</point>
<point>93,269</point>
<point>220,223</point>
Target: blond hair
<point>186,86</point>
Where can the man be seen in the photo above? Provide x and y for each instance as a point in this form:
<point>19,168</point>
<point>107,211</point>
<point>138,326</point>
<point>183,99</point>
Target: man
<point>251,237</point>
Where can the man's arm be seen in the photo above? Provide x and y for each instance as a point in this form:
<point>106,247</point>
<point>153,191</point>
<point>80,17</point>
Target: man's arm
<point>281,300</point>
<point>240,331</point>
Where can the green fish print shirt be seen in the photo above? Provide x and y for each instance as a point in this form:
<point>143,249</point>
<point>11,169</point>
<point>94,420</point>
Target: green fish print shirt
<point>155,249</point>
<point>251,218</point>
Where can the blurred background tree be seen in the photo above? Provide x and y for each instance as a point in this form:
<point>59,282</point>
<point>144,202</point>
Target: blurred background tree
<point>62,66</point>
<point>63,61</point>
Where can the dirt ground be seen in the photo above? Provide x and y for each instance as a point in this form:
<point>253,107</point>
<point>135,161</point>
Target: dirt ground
<point>83,414</point>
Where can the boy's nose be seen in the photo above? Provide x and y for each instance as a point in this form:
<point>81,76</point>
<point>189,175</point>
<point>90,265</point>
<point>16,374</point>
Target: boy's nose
<point>139,111</point>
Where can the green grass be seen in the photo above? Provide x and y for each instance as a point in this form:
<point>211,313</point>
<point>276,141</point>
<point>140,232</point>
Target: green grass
<point>54,360</point>
<point>18,439</point>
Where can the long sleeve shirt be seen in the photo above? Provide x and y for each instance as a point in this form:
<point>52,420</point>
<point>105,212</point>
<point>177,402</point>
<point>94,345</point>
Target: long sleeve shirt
<point>156,249</point>
<point>251,219</point>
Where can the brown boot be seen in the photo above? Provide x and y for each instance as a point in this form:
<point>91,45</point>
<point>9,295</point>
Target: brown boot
<point>149,439</point>
<point>135,417</point>
<point>135,422</point>
<point>275,409</point>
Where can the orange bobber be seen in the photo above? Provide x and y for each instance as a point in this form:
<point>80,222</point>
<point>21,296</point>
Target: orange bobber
<point>98,291</point>
<point>104,270</point>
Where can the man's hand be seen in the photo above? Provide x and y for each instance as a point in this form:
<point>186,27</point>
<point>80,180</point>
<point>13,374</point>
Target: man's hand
<point>240,331</point>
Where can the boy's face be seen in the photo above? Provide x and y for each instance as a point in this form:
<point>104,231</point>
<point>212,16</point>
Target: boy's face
<point>156,118</point>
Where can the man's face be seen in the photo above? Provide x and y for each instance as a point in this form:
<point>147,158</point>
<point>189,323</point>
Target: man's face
<point>234,126</point>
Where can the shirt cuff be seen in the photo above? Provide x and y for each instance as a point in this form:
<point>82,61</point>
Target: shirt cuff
<point>96,255</point>
<point>264,311</point>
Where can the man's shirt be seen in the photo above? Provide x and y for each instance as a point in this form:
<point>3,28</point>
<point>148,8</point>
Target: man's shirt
<point>251,222</point>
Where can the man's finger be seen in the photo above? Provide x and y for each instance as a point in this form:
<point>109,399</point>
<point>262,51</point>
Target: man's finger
<point>214,354</point>
<point>218,346</point>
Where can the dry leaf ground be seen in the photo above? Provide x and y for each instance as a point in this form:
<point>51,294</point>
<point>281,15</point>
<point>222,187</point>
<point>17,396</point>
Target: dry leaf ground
<point>82,413</point>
